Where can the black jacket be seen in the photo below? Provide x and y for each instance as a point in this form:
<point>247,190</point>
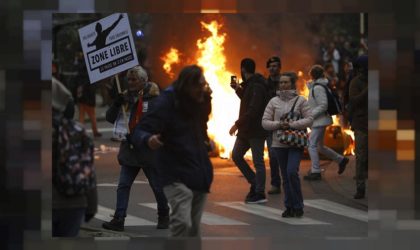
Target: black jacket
<point>272,87</point>
<point>130,156</point>
<point>183,157</point>
<point>358,103</point>
<point>254,98</point>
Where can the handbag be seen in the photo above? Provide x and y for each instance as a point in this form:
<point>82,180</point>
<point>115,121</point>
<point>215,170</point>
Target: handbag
<point>132,157</point>
<point>293,137</point>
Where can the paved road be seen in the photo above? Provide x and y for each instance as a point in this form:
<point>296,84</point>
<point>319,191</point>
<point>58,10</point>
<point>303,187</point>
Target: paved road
<point>330,212</point>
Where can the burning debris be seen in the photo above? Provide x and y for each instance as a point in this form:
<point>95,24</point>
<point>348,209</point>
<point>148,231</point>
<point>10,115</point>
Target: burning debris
<point>170,58</point>
<point>211,57</point>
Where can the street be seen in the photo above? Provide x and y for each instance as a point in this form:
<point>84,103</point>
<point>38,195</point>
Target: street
<point>330,210</point>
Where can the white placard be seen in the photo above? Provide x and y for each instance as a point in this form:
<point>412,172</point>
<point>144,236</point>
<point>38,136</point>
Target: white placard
<point>120,128</point>
<point>108,47</point>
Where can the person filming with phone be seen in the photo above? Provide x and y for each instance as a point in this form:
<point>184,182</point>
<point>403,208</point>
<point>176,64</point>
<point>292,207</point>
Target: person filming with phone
<point>254,97</point>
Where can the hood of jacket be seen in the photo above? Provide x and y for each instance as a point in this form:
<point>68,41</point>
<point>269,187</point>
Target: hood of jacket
<point>323,81</point>
<point>286,95</point>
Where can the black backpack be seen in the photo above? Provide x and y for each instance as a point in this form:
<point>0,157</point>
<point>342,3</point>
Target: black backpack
<point>334,105</point>
<point>73,159</point>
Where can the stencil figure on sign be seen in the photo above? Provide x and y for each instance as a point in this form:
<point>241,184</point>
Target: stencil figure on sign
<point>100,39</point>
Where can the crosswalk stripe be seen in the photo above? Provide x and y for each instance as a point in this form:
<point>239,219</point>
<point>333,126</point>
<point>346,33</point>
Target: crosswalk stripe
<point>101,130</point>
<point>337,208</point>
<point>107,185</point>
<point>140,182</point>
<point>208,218</point>
<point>116,184</point>
<point>270,213</point>
<point>104,212</point>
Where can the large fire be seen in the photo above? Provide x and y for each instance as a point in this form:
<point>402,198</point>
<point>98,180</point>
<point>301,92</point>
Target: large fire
<point>225,104</point>
<point>170,58</point>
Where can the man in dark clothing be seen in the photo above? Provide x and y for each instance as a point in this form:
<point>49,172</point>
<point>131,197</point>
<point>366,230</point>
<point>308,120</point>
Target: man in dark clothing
<point>138,100</point>
<point>358,112</point>
<point>254,97</point>
<point>174,128</point>
<point>274,67</point>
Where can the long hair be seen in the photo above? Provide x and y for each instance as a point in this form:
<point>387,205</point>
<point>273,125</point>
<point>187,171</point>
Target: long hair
<point>189,76</point>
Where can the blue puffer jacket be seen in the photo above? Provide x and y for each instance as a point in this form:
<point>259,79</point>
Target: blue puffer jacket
<point>184,157</point>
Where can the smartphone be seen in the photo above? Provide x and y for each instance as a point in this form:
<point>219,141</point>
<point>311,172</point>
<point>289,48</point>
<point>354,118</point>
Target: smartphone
<point>233,79</point>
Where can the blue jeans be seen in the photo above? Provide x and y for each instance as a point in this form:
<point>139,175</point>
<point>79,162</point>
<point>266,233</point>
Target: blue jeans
<point>127,177</point>
<point>289,161</point>
<point>66,222</point>
<point>274,166</point>
<point>256,179</point>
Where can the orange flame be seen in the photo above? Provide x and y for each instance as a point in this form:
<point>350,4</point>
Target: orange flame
<point>225,104</point>
<point>172,57</point>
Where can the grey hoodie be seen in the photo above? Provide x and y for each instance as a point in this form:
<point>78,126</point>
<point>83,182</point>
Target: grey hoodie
<point>319,104</point>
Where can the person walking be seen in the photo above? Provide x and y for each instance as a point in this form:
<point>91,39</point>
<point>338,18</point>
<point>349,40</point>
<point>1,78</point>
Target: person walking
<point>318,103</point>
<point>175,130</point>
<point>251,135</point>
<point>288,157</point>
<point>138,101</point>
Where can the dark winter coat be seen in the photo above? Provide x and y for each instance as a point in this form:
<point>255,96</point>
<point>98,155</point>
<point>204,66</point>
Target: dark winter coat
<point>254,98</point>
<point>132,157</point>
<point>358,103</point>
<point>183,157</point>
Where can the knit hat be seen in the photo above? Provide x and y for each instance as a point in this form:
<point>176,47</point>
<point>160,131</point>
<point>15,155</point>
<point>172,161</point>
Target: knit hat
<point>60,95</point>
<point>273,59</point>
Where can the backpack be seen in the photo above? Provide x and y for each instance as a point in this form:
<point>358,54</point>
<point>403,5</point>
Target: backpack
<point>334,105</point>
<point>73,168</point>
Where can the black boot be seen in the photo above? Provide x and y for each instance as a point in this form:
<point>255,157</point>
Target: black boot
<point>361,190</point>
<point>163,222</point>
<point>298,213</point>
<point>289,212</point>
<point>343,164</point>
<point>250,195</point>
<point>116,224</point>
<point>360,194</point>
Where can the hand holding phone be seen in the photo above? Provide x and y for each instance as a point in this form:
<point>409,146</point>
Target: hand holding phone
<point>233,82</point>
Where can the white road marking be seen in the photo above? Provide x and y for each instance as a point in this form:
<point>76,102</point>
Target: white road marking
<point>101,130</point>
<point>270,213</point>
<point>408,225</point>
<point>140,182</point>
<point>337,208</point>
<point>107,185</point>
<point>208,218</point>
<point>104,215</point>
<point>116,184</point>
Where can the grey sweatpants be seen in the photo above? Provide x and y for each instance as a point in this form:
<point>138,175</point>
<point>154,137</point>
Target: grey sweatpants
<point>187,208</point>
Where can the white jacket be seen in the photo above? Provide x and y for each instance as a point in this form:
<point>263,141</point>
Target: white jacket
<point>319,103</point>
<point>281,105</point>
